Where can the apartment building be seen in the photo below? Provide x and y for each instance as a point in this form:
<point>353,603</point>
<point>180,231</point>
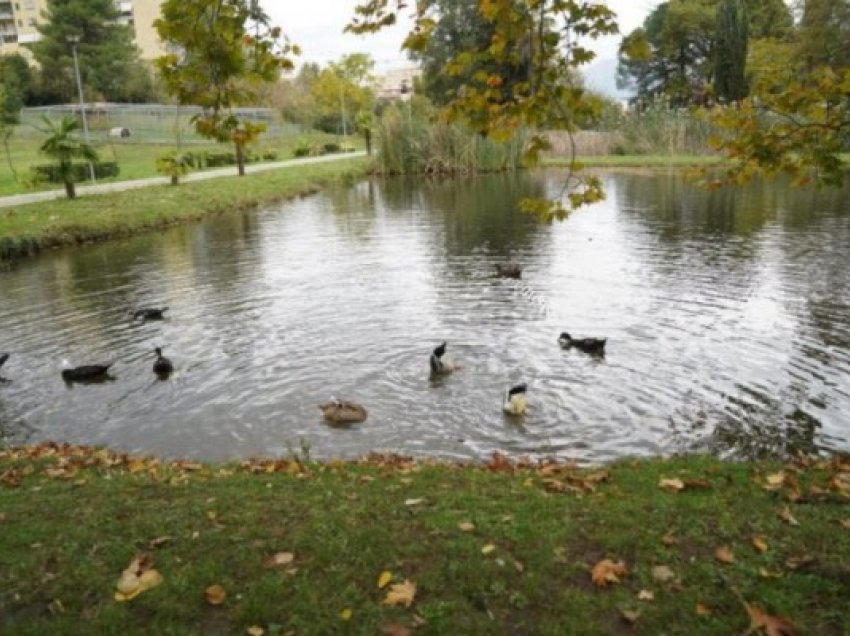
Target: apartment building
<point>18,20</point>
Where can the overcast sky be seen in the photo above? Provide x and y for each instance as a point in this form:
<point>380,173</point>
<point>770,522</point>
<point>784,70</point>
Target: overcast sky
<point>316,26</point>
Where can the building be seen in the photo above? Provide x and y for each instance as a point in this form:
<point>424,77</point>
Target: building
<point>18,20</point>
<point>396,83</point>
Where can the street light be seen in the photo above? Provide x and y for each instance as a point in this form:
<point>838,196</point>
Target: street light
<point>73,40</point>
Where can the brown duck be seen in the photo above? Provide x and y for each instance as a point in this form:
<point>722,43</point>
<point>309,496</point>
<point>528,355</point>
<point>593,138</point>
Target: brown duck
<point>341,412</point>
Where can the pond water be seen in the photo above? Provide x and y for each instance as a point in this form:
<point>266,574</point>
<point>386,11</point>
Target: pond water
<point>727,313</point>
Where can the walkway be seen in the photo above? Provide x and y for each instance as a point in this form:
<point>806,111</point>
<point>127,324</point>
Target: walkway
<point>216,173</point>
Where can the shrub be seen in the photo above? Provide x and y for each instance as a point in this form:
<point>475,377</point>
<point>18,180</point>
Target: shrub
<point>51,173</point>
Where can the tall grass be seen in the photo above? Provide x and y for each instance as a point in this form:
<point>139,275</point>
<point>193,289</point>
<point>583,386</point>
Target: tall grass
<point>411,141</point>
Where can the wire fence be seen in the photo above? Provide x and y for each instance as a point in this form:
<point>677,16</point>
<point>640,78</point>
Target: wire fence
<point>149,123</point>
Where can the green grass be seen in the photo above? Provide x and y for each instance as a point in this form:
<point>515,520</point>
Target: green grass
<point>66,536</point>
<point>136,159</point>
<point>636,161</point>
<point>97,217</point>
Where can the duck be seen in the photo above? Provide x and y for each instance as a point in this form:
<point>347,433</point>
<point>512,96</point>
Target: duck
<point>343,412</point>
<point>148,313</point>
<point>588,345</point>
<point>440,363</point>
<point>162,365</point>
<point>508,271</point>
<point>86,373</point>
<point>515,402</point>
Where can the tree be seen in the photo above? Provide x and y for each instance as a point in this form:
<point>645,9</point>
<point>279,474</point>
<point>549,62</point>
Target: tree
<point>342,90</point>
<point>730,51</point>
<point>543,35</point>
<point>825,33</point>
<point>226,48</point>
<point>63,145</point>
<point>108,59</point>
<point>15,84</point>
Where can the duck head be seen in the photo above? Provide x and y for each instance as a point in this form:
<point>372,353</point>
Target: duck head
<point>564,339</point>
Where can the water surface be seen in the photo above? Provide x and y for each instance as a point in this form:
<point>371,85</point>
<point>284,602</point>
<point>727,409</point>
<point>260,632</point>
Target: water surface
<point>727,313</point>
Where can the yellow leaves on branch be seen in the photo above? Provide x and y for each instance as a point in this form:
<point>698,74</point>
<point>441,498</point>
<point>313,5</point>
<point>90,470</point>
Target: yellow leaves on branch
<point>607,571</point>
<point>400,594</point>
<point>138,577</point>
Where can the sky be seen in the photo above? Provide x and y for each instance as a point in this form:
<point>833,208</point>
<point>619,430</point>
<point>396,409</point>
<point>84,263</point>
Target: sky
<point>316,26</point>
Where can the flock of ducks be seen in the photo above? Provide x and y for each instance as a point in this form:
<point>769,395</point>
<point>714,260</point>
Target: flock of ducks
<point>341,411</point>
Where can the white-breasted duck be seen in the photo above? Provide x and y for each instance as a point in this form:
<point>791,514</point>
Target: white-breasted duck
<point>441,363</point>
<point>515,401</point>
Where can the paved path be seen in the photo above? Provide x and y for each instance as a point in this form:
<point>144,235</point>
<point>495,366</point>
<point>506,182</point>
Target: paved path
<point>216,173</point>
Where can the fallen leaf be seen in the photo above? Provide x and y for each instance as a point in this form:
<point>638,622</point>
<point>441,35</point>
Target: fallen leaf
<point>787,517</point>
<point>255,630</point>
<point>394,629</point>
<point>607,571</point>
<point>845,523</point>
<point>724,554</point>
<point>663,573</point>
<point>136,578</point>
<point>346,614</point>
<point>384,579</point>
<point>216,594</point>
<point>767,574</point>
<point>760,544</point>
<point>278,559</point>
<point>400,594</point>
<point>488,549</point>
<point>630,616</point>
<point>518,566</point>
<point>3,517</point>
<point>155,544</point>
<point>775,481</point>
<point>671,485</point>
<point>772,625</point>
<point>702,609</point>
<point>646,595</point>
<point>669,540</point>
<point>798,562</point>
<point>841,481</point>
<point>414,502</point>
<point>466,526</point>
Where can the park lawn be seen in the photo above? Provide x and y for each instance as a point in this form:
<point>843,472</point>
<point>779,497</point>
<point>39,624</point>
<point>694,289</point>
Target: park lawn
<point>392,546</point>
<point>136,159</point>
<point>29,228</point>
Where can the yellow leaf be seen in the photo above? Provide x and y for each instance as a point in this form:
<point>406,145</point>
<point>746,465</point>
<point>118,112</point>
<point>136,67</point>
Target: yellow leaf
<point>488,549</point>
<point>663,573</point>
<point>216,594</point>
<point>278,559</point>
<point>767,574</point>
<point>724,554</point>
<point>384,579</point>
<point>256,630</point>
<point>646,595</point>
<point>607,571</point>
<point>702,609</point>
<point>346,614</point>
<point>760,544</point>
<point>136,578</point>
<point>414,502</point>
<point>775,480</point>
<point>671,485</point>
<point>400,594</point>
<point>466,526</point>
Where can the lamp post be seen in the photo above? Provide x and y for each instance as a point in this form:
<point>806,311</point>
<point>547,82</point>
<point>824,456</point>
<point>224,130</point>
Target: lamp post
<point>73,40</point>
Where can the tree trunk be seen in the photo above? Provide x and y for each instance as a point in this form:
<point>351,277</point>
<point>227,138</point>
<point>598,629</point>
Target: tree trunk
<point>175,179</point>
<point>69,189</point>
<point>368,135</point>
<point>240,158</point>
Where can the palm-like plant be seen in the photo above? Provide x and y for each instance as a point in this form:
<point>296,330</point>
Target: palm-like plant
<point>63,146</point>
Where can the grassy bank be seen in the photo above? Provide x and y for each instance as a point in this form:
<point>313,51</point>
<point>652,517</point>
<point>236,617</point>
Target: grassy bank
<point>302,548</point>
<point>27,229</point>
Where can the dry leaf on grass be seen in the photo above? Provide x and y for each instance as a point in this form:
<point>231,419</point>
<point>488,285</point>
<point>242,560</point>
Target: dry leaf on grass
<point>799,561</point>
<point>608,571</point>
<point>400,594</point>
<point>702,609</point>
<point>488,549</point>
<point>414,502</point>
<point>630,616</point>
<point>669,539</point>
<point>724,554</point>
<point>346,614</point>
<point>255,630</point>
<point>394,629</point>
<point>384,579</point>
<point>663,573</point>
<point>771,625</point>
<point>156,544</point>
<point>775,481</point>
<point>138,577</point>
<point>760,544</point>
<point>787,517</point>
<point>278,559</point>
<point>216,594</point>
<point>466,526</point>
<point>845,523</point>
<point>646,595</point>
<point>671,485</point>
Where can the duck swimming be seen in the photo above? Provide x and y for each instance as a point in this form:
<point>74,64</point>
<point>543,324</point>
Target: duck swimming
<point>162,365</point>
<point>148,313</point>
<point>515,402</point>
<point>86,373</point>
<point>508,271</point>
<point>588,345</point>
<point>340,412</point>
<point>440,362</point>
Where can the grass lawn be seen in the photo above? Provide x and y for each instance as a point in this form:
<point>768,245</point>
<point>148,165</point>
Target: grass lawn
<point>136,159</point>
<point>297,547</point>
<point>97,217</point>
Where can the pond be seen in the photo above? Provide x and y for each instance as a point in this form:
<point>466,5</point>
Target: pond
<point>727,314</point>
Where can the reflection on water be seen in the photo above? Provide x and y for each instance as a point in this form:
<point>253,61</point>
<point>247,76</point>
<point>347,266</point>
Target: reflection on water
<point>727,315</point>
